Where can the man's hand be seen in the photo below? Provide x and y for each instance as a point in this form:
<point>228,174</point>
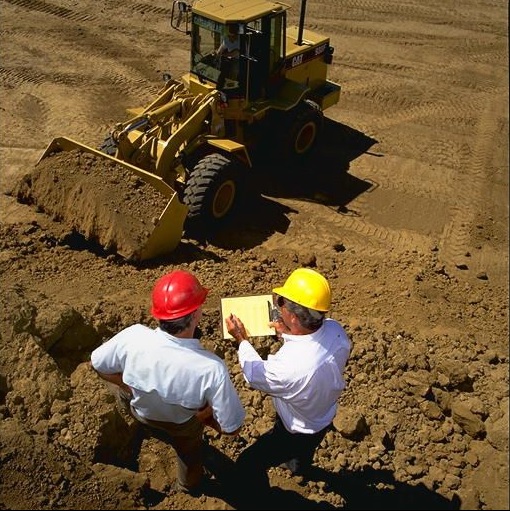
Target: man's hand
<point>280,327</point>
<point>205,416</point>
<point>204,413</point>
<point>235,328</point>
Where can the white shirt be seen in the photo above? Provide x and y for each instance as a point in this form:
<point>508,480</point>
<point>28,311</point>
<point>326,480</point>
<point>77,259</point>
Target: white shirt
<point>304,377</point>
<point>227,45</point>
<point>171,378</point>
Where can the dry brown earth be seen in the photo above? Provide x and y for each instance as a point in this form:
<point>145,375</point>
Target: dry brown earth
<point>404,209</point>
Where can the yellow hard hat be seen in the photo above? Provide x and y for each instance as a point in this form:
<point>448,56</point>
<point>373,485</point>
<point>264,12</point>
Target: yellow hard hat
<point>308,288</point>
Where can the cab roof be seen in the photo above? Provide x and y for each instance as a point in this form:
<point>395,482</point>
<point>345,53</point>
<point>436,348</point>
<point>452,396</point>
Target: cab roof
<point>242,11</point>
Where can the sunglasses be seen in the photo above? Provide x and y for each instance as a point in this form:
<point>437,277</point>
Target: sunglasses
<point>280,301</point>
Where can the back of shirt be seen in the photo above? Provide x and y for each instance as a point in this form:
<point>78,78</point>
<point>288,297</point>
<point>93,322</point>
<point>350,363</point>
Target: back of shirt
<point>171,378</point>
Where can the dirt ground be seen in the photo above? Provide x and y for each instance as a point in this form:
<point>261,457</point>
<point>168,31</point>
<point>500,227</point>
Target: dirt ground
<point>404,209</point>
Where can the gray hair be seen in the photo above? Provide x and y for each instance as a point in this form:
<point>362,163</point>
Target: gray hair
<point>310,319</point>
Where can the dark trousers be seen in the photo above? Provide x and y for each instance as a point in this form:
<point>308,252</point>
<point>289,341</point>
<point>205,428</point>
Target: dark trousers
<point>186,439</point>
<point>273,448</point>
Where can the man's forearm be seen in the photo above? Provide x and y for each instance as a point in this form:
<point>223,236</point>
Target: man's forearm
<point>112,378</point>
<point>115,378</point>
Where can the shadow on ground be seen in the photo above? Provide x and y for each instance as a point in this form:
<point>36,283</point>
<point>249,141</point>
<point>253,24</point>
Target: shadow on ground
<point>322,178</point>
<point>366,489</point>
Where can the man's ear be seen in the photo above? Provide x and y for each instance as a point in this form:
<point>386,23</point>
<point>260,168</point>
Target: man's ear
<point>293,318</point>
<point>197,314</point>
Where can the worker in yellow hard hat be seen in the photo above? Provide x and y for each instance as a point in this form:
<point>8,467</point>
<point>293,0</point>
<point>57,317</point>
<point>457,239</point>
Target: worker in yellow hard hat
<point>304,377</point>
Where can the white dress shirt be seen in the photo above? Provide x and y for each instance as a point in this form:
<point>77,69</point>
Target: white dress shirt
<point>304,377</point>
<point>171,378</point>
<point>227,45</point>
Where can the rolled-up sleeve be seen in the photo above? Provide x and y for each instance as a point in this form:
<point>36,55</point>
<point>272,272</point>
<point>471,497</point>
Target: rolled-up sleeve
<point>105,359</point>
<point>227,407</point>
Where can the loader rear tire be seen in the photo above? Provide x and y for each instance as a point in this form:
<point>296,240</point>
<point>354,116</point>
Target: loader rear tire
<point>211,193</point>
<point>301,131</point>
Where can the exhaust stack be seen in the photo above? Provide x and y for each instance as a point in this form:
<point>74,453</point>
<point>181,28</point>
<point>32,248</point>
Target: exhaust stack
<point>299,41</point>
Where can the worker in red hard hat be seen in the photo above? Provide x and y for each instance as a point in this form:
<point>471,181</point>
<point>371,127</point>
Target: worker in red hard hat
<point>168,380</point>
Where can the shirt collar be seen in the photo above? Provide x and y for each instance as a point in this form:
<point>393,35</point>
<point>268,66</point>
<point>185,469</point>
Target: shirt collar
<point>180,341</point>
<point>306,337</point>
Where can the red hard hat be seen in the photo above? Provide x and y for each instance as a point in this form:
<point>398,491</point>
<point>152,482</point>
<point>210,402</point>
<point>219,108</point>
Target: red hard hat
<point>177,294</point>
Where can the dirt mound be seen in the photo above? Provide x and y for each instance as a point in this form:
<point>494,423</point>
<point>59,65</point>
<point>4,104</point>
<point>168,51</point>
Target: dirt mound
<point>96,197</point>
<point>423,423</point>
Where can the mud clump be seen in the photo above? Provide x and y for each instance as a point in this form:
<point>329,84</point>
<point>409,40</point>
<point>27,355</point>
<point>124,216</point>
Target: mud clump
<point>95,197</point>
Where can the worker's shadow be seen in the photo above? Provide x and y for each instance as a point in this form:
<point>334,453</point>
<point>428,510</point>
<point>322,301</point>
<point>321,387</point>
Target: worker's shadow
<point>365,489</point>
<point>322,177</point>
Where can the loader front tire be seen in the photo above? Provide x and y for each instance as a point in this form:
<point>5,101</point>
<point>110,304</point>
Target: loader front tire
<point>109,146</point>
<point>211,193</point>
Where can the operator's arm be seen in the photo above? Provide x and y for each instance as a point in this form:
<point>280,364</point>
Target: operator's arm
<point>205,416</point>
<point>221,48</point>
<point>228,50</point>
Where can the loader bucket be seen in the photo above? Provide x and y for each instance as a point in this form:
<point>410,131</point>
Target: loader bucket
<point>122,207</point>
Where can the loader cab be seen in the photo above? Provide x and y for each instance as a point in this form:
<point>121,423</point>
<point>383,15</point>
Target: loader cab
<point>257,69</point>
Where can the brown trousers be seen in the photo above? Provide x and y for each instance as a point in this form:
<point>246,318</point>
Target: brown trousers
<point>186,439</point>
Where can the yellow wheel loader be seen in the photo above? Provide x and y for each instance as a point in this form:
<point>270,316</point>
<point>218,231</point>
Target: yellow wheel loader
<point>200,136</point>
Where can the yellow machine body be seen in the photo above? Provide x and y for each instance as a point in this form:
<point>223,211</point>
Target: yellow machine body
<point>201,133</point>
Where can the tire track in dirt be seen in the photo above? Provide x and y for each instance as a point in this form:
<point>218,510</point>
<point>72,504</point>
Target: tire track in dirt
<point>42,104</point>
<point>412,177</point>
<point>27,111</point>
<point>469,185</point>
<point>67,104</point>
<point>12,78</point>
<point>437,181</point>
<point>125,81</point>
<point>392,119</point>
<point>409,180</point>
<point>144,8</point>
<point>20,76</point>
<point>322,223</point>
<point>391,75</point>
<point>52,9</point>
<point>69,14</point>
<point>460,16</point>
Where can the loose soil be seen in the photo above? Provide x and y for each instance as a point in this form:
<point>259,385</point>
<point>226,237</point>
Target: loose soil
<point>95,197</point>
<point>404,209</point>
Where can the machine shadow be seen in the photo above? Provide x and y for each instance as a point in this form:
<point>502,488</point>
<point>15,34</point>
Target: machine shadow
<point>322,178</point>
<point>364,489</point>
